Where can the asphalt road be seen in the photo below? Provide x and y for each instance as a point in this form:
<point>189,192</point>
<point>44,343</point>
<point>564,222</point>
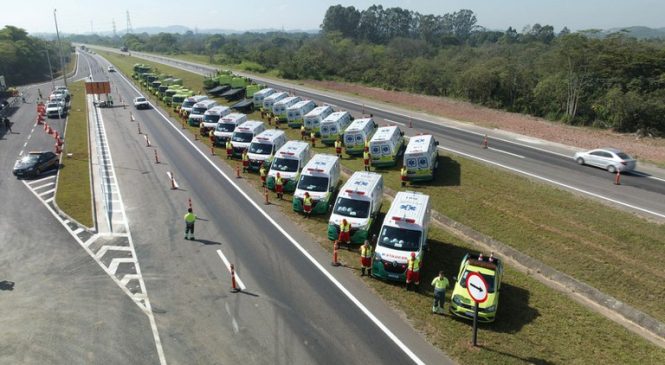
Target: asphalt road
<point>642,192</point>
<point>56,304</point>
<point>295,308</point>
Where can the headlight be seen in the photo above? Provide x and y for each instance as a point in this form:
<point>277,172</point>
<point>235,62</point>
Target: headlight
<point>491,308</point>
<point>377,256</point>
<point>457,299</point>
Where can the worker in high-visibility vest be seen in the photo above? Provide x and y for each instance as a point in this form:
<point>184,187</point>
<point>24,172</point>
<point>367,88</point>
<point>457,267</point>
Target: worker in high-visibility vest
<point>262,174</point>
<point>366,145</point>
<point>413,271</point>
<point>366,159</point>
<point>307,205</point>
<point>190,218</point>
<point>279,186</point>
<point>366,259</point>
<point>345,232</point>
<point>338,147</point>
<point>312,137</point>
<point>229,149</point>
<point>211,135</point>
<point>440,284</point>
<point>245,160</point>
<point>402,174</point>
<point>303,133</point>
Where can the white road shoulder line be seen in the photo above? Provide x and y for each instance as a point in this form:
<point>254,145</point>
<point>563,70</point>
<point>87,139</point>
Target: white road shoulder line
<point>506,152</point>
<point>228,267</point>
<point>234,323</point>
<point>392,121</point>
<point>43,186</point>
<point>40,180</point>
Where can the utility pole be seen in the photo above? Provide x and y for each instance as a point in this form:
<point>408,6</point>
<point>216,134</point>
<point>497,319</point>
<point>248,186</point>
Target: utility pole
<point>129,24</point>
<point>50,69</point>
<point>113,22</point>
<point>62,60</point>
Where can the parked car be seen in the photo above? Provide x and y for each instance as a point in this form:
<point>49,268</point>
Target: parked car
<point>34,163</point>
<point>110,68</point>
<point>491,269</point>
<point>611,159</point>
<point>141,103</point>
<point>54,110</point>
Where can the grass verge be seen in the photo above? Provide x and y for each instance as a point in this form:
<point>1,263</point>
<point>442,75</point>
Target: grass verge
<point>535,323</point>
<point>73,195</point>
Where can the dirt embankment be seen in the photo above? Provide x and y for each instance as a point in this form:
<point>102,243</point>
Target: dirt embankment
<point>652,149</point>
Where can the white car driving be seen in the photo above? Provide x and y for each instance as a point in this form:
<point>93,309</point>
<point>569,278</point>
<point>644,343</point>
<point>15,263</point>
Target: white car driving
<point>610,159</point>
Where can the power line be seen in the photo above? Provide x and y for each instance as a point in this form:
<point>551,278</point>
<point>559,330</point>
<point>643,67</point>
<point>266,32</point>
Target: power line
<point>129,24</point>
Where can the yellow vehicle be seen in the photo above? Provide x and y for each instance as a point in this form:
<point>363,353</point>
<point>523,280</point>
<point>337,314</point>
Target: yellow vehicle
<point>491,268</point>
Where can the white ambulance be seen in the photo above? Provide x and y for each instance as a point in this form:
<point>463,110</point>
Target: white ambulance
<point>212,116</point>
<point>320,178</point>
<point>421,158</point>
<point>333,126</point>
<point>226,125</point>
<point>260,96</point>
<point>196,114</point>
<point>288,161</point>
<point>244,134</point>
<point>314,118</point>
<point>279,109</point>
<point>263,148</point>
<point>295,114</point>
<point>386,146</point>
<point>355,135</point>
<point>188,103</point>
<point>359,202</point>
<point>269,101</point>
<point>404,231</point>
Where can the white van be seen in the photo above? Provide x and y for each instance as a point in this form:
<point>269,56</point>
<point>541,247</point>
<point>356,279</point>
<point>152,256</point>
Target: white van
<point>263,147</point>
<point>280,107</point>
<point>295,114</point>
<point>314,118</point>
<point>404,231</point>
<point>288,161</point>
<point>212,116</point>
<point>198,110</point>
<point>421,158</point>
<point>226,125</point>
<point>386,146</point>
<point>333,126</point>
<point>320,178</point>
<point>269,101</point>
<point>188,103</point>
<point>359,202</point>
<point>244,134</point>
<point>355,135</point>
<point>260,95</point>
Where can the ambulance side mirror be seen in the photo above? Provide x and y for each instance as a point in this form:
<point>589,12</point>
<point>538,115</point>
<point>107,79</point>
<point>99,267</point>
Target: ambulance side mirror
<point>401,133</point>
<point>436,143</point>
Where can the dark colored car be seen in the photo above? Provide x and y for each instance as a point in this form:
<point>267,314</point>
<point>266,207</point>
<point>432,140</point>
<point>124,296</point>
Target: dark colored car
<point>34,163</point>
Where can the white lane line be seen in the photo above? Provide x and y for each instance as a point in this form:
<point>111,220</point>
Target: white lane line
<point>506,152</point>
<point>20,153</point>
<point>392,121</point>
<point>127,278</point>
<point>48,200</point>
<point>554,182</point>
<point>46,192</point>
<point>647,176</point>
<point>295,243</point>
<point>234,323</point>
<point>66,221</point>
<point>26,143</point>
<point>228,267</point>
<point>45,185</point>
<point>102,251</point>
<point>113,267</point>
<point>90,240</point>
<point>78,230</point>
<point>40,180</point>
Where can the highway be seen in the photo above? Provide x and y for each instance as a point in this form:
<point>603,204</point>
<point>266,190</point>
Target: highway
<point>294,308</point>
<point>641,192</point>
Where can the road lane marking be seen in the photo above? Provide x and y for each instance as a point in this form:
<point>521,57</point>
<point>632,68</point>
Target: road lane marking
<point>234,323</point>
<point>45,185</point>
<point>102,251</point>
<point>78,230</point>
<point>48,200</point>
<point>46,192</point>
<point>506,152</point>
<point>647,176</point>
<point>392,121</point>
<point>554,182</point>
<point>40,180</point>
<point>228,267</point>
<point>295,243</point>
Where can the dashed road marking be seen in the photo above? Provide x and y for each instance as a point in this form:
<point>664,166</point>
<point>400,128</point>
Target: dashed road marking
<point>506,152</point>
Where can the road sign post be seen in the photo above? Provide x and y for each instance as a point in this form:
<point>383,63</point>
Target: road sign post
<point>477,288</point>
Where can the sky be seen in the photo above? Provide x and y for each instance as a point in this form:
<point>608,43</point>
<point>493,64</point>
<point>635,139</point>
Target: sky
<point>76,16</point>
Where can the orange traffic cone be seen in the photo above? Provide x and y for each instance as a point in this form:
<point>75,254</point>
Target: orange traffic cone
<point>234,287</point>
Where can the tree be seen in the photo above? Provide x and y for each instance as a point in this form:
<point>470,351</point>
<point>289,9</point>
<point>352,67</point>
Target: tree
<point>341,19</point>
<point>212,45</point>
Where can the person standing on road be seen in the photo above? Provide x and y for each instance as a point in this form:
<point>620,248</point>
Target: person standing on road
<point>8,124</point>
<point>366,259</point>
<point>338,148</point>
<point>366,159</point>
<point>307,205</point>
<point>440,284</point>
<point>190,218</point>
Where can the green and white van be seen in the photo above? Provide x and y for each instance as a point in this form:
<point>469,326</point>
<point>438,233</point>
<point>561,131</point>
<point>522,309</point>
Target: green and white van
<point>244,134</point>
<point>386,146</point>
<point>270,100</point>
<point>189,103</point>
<point>198,110</point>
<point>226,125</point>
<point>279,109</point>
<point>333,126</point>
<point>260,95</point>
<point>359,202</point>
<point>213,115</point>
<point>295,114</point>
<point>263,147</point>
<point>421,158</point>
<point>355,135</point>
<point>314,118</point>
<point>320,178</point>
<point>404,231</point>
<point>288,161</point>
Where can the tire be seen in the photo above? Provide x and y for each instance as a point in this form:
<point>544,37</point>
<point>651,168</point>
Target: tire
<point>612,169</point>
<point>580,160</point>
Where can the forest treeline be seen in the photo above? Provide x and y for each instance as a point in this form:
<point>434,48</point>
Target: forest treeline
<point>612,82</point>
<point>23,58</point>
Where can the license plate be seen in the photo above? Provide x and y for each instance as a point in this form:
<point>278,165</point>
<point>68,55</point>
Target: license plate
<point>393,276</point>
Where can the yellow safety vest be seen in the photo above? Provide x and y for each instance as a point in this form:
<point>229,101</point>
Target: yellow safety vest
<point>312,135</point>
<point>190,217</point>
<point>262,171</point>
<point>245,157</point>
<point>366,144</point>
<point>366,251</point>
<point>403,171</point>
<point>307,200</point>
<point>229,145</point>
<point>438,283</point>
<point>345,228</point>
<point>302,128</point>
<point>338,144</point>
<point>413,265</point>
<point>366,155</point>
<point>278,181</point>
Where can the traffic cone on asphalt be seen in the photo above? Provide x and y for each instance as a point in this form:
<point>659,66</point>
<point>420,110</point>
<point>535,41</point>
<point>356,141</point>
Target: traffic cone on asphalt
<point>265,194</point>
<point>335,249</point>
<point>238,171</point>
<point>484,144</point>
<point>156,157</point>
<point>234,287</point>
<point>617,178</point>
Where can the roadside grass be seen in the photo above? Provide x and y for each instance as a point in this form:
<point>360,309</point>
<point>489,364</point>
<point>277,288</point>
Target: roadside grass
<point>583,238</point>
<point>69,67</point>
<point>73,195</point>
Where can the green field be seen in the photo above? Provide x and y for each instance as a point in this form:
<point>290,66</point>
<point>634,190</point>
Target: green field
<point>585,239</point>
<point>73,195</point>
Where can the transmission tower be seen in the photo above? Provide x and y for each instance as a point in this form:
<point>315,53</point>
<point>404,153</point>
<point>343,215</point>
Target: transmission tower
<point>129,24</point>
<point>113,22</point>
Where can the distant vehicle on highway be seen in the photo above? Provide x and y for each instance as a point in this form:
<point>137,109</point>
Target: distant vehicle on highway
<point>111,68</point>
<point>609,158</point>
<point>461,304</point>
<point>34,163</point>
<point>141,103</point>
